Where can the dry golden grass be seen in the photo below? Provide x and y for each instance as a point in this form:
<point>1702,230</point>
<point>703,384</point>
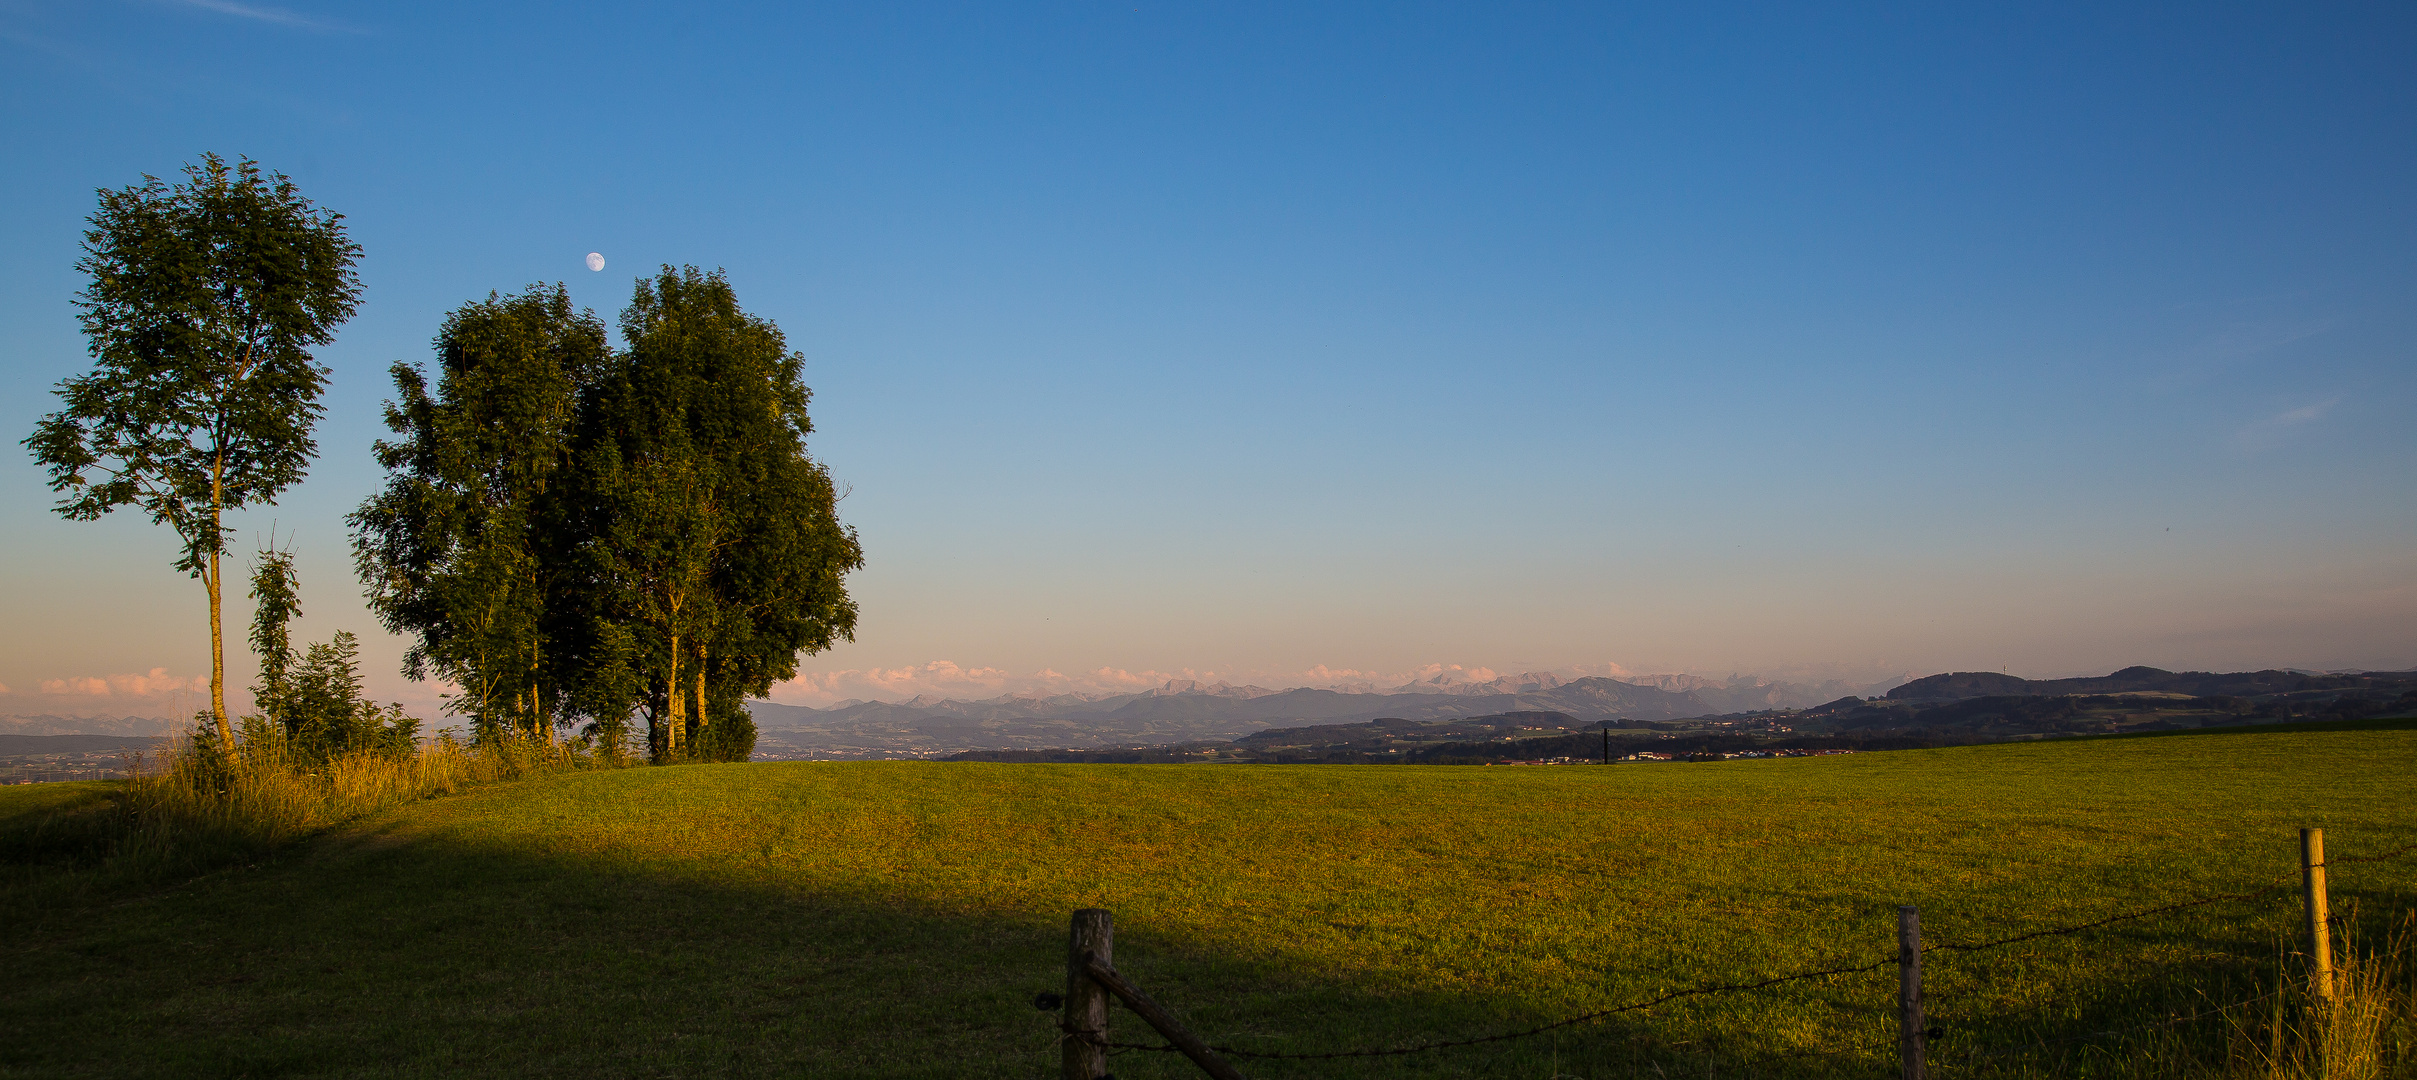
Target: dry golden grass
<point>193,807</point>
<point>264,792</point>
<point>2367,1031</point>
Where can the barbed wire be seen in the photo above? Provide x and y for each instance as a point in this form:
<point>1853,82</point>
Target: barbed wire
<point>2382,857</point>
<point>1446,1044</point>
<point>2261,894</point>
<point>1710,1044</point>
<point>2021,1048</point>
<point>2281,884</point>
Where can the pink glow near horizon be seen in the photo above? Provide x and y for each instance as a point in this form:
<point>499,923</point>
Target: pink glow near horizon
<point>948,679</point>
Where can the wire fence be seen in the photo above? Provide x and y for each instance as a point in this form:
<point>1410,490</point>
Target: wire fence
<point>2089,1036</point>
<point>2281,886</point>
<point>1447,1044</point>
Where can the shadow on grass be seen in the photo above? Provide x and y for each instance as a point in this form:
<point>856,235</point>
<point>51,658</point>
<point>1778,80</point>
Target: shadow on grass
<point>402,950</point>
<point>381,953</point>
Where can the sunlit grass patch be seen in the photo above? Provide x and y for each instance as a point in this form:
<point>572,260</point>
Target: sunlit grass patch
<point>895,919</point>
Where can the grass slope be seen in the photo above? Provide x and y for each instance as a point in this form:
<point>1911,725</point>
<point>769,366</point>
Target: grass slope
<point>895,919</point>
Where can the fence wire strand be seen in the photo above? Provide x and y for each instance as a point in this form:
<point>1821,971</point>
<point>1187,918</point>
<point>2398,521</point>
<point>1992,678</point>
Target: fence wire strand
<point>1446,1044</point>
<point>2281,884</point>
<point>2024,1048</point>
<point>2381,857</point>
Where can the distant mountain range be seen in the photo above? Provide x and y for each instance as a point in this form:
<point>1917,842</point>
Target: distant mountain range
<point>20,746</point>
<point>1190,712</point>
<point>129,726</point>
<point>1959,685</point>
<point>1185,711</point>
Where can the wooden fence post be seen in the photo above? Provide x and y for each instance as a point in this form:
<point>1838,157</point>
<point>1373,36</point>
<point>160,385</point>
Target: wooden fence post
<point>1910,1049</point>
<point>2320,932</point>
<point>1086,1025</point>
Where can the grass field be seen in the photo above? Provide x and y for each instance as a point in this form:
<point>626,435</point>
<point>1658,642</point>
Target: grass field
<point>896,919</point>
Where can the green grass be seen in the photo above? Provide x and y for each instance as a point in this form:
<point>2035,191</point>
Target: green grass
<point>50,835</point>
<point>895,919</point>
<point>2370,723</point>
<point>22,803</point>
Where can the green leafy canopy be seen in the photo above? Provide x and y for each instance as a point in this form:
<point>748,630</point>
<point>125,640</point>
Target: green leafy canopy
<point>205,300</point>
<point>571,531</point>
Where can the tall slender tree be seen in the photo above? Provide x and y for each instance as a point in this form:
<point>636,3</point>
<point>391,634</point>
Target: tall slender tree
<point>276,601</point>
<point>205,300</point>
<point>463,549</point>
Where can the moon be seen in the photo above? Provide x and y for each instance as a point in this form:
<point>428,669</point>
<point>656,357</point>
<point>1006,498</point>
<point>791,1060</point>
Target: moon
<point>595,261</point>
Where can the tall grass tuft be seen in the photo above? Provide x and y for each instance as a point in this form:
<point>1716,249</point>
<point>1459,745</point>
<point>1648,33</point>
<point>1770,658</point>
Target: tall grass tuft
<point>2367,1032</point>
<point>2286,1032</point>
<point>199,806</point>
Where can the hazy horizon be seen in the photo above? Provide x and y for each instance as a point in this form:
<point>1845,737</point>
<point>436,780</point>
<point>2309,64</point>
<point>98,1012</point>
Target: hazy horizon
<point>942,680</point>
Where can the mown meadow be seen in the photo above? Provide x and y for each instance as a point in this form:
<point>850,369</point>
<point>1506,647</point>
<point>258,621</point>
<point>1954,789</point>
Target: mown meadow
<point>897,919</point>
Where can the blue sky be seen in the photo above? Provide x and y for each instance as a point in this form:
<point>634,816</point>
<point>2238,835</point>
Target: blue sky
<point>1289,342</point>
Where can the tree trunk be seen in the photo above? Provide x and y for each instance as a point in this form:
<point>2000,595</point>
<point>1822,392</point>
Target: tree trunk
<point>218,644</point>
<point>703,718</point>
<point>537,709</point>
<point>676,703</point>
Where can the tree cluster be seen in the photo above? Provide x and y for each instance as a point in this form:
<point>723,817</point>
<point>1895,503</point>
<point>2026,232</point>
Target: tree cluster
<point>574,534</point>
<point>569,533</point>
